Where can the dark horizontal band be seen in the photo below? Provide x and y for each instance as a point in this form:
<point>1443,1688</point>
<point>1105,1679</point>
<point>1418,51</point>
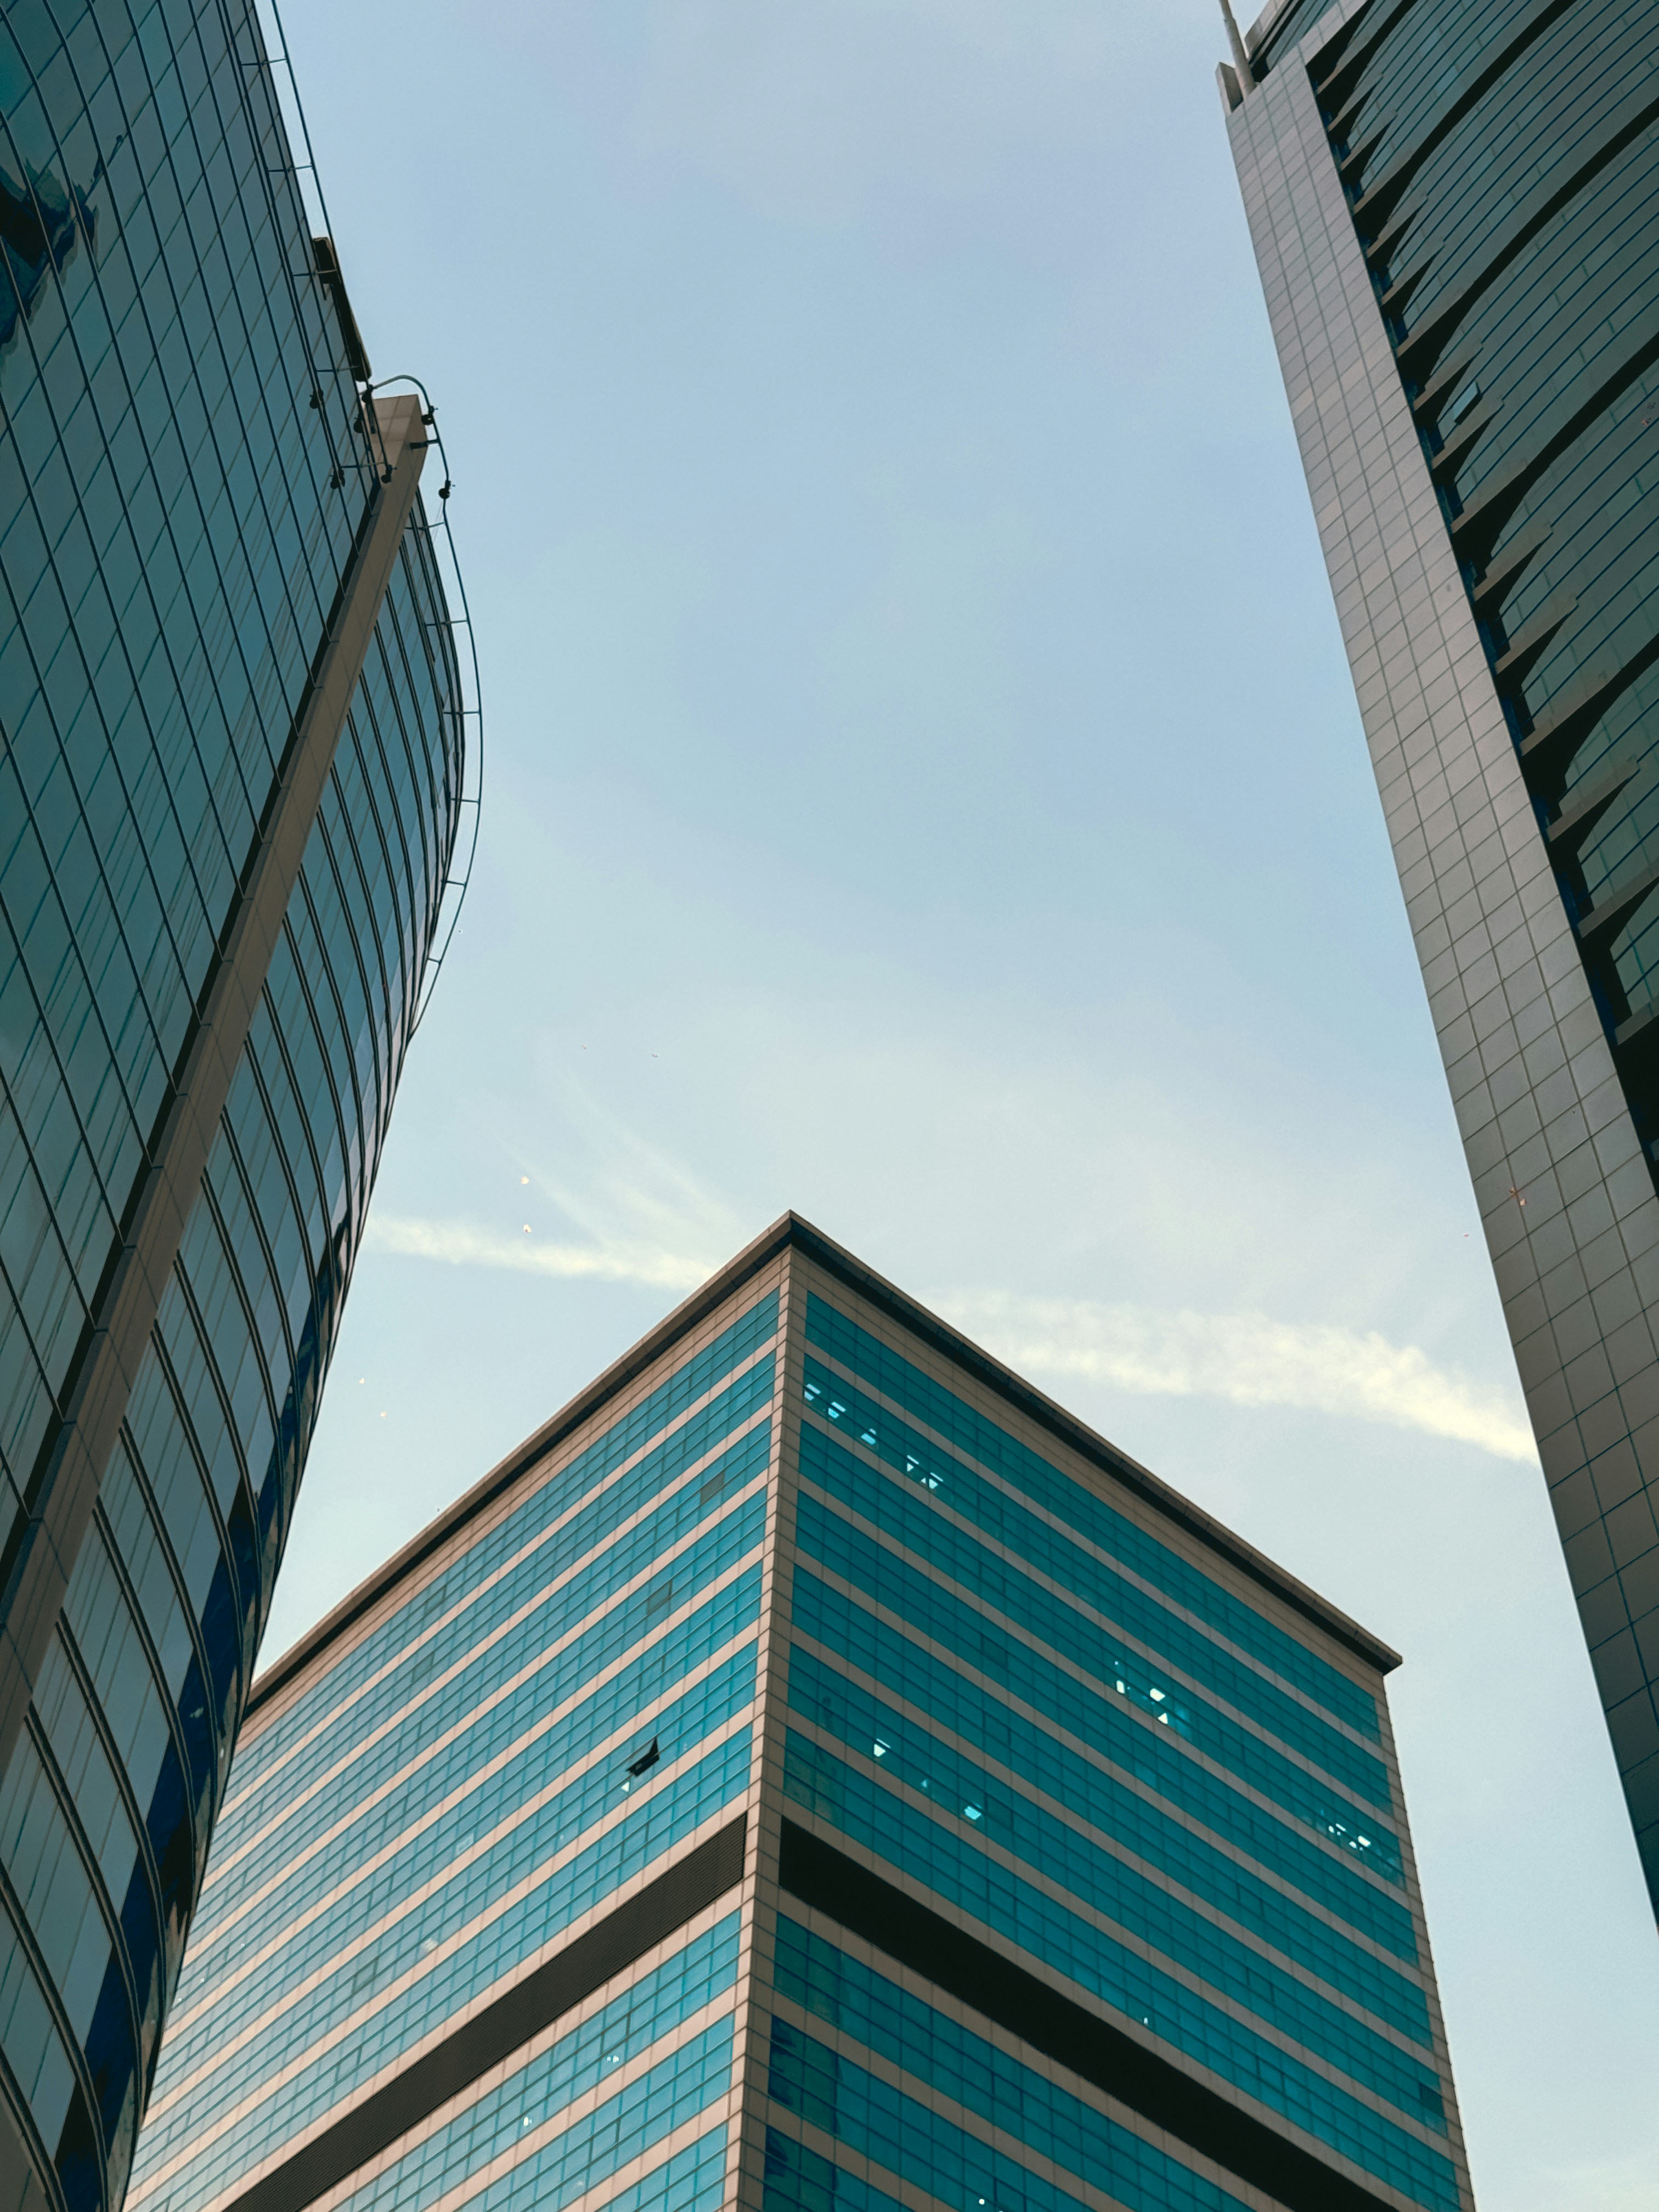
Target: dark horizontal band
<point>503,2027</point>
<point>953,1961</point>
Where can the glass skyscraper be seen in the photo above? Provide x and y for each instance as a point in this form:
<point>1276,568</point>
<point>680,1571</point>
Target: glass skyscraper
<point>813,1769</point>
<point>231,751</point>
<point>1451,202</point>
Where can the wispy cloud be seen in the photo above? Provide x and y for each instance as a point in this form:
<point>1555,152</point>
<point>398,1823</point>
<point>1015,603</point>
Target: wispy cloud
<point>625,1212</point>
<point>1247,1359</point>
<point>462,1244</point>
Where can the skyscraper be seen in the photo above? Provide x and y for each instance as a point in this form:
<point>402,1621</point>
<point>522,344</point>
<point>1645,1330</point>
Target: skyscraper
<point>813,1769</point>
<point>1449,202</point>
<point>229,782</point>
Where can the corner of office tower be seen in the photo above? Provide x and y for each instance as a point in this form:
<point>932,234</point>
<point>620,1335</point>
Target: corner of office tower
<point>814,1764</point>
<point>1468,351</point>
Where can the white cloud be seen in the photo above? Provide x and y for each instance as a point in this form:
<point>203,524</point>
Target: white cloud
<point>639,1208</point>
<point>1247,1359</point>
<point>626,1211</point>
<point>462,1244</point>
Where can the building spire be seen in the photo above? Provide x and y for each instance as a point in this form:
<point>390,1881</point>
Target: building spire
<point>1241,57</point>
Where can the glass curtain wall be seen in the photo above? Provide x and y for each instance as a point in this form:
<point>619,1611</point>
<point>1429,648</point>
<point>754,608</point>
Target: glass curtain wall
<point>1104,1762</point>
<point>804,1771</point>
<point>183,472</point>
<point>562,1703</point>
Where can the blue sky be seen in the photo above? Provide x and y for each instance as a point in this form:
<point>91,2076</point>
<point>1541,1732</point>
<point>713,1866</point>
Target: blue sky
<point>925,790</point>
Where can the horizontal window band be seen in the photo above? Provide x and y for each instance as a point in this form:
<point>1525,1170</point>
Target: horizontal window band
<point>1501,575</point>
<point>1349,167</point>
<point>1516,663</point>
<point>1347,50</point>
<point>956,1962</point>
<point>1548,752</point>
<point>1464,438</point>
<point>1395,300</point>
<point>681,1891</point>
<point>1637,1029</point>
<point>1007,1390</point>
<point>1575,823</point>
<point>1423,343</point>
<point>1480,75</point>
<point>1476,530</point>
<point>1600,924</point>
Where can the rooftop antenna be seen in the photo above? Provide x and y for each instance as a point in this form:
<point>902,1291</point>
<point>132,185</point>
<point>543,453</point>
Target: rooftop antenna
<point>1241,58</point>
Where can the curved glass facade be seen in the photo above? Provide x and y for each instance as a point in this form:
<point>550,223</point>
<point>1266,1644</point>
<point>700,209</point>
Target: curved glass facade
<point>185,473</point>
<point>1501,162</point>
<point>1453,205</point>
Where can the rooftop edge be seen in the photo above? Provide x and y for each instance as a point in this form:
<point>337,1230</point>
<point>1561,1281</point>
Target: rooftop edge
<point>791,1229</point>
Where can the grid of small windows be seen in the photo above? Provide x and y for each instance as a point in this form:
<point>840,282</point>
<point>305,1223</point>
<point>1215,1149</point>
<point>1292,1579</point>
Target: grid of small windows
<point>966,1790</point>
<point>967,2161</point>
<point>430,1988</point>
<point>940,1494</point>
<point>534,2092</point>
<point>574,1709</point>
<point>417,1894</point>
<point>693,2180</point>
<point>181,477</point>
<point>948,1640</point>
<point>322,1858</point>
<point>624,2127</point>
<point>1073,1504</point>
<point>496,1908</point>
<point>558,1521</point>
<point>552,1647</point>
<point>1003,1598</point>
<point>1524,298</point>
<point>974,1882</point>
<point>1097,1723</point>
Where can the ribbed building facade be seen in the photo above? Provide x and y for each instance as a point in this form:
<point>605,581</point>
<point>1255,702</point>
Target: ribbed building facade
<point>813,1770</point>
<point>1452,206</point>
<point>230,763</point>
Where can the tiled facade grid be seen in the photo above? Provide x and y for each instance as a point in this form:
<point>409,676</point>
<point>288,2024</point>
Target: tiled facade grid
<point>1538,1100</point>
